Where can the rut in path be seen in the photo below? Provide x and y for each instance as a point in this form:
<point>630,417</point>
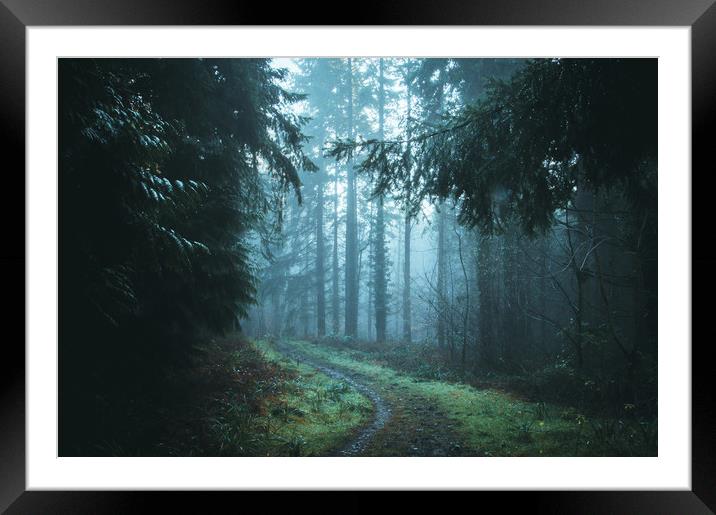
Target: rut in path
<point>381,412</point>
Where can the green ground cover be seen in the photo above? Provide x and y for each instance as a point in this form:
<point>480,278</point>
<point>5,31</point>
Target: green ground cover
<point>495,423</point>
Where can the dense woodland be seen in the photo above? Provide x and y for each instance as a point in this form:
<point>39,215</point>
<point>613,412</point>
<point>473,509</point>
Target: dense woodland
<point>483,222</point>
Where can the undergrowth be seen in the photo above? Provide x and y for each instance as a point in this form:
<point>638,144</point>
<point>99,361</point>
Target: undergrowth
<point>497,423</point>
<point>244,399</point>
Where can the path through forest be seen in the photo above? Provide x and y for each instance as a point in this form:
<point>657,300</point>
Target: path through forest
<point>382,411</point>
<point>403,424</point>
<point>418,416</point>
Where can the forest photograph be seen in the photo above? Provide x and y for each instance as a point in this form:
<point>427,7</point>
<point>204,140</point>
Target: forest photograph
<point>359,256</point>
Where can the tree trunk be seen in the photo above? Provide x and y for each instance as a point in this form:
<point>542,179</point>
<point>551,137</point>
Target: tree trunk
<point>380,279</point>
<point>407,325</point>
<point>371,254</point>
<point>442,257</point>
<point>320,267</point>
<point>543,291</point>
<point>335,297</point>
<point>379,250</point>
<point>579,308</point>
<point>466,312</point>
<point>351,303</point>
<point>486,301</point>
<point>442,269</point>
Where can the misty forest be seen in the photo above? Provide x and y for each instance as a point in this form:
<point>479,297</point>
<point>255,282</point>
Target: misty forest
<point>358,257</point>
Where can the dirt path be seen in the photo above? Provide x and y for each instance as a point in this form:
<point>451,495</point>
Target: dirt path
<point>381,414</point>
<point>404,424</point>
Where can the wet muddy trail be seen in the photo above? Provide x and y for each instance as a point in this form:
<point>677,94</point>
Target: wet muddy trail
<point>381,413</point>
<point>403,423</point>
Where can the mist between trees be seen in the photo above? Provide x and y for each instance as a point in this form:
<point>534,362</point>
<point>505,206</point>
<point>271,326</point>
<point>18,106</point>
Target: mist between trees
<point>496,215</point>
<point>502,211</point>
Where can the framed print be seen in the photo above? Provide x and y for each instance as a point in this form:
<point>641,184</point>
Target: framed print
<point>438,248</point>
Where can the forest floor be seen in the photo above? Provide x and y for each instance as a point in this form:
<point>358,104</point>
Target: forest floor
<point>244,398</point>
<point>300,398</point>
<point>404,423</point>
<point>417,417</point>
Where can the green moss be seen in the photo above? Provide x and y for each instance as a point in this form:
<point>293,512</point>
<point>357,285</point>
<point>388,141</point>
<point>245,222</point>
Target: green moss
<point>314,414</point>
<point>494,423</point>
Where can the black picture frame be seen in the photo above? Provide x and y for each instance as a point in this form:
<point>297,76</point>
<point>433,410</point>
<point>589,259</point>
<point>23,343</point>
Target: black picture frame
<point>16,15</point>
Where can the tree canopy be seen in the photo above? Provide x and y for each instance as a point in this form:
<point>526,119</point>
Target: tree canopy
<point>528,143</point>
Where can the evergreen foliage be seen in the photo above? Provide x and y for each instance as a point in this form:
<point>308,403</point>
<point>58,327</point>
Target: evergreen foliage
<point>524,147</point>
<point>485,221</point>
<point>165,167</point>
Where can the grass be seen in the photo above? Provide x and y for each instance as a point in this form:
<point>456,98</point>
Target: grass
<point>315,413</point>
<point>249,400</point>
<point>242,398</point>
<point>495,423</point>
